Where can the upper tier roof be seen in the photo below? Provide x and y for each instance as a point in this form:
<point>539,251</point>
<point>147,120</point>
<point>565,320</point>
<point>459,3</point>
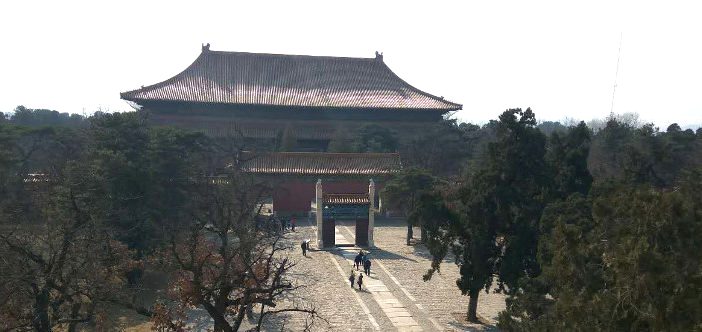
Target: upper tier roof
<point>240,78</point>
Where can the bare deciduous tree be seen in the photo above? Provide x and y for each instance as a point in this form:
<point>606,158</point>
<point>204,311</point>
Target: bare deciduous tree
<point>59,264</point>
<point>226,258</point>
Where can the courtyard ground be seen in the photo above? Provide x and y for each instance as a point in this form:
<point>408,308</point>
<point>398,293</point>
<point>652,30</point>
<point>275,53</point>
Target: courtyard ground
<point>394,297</point>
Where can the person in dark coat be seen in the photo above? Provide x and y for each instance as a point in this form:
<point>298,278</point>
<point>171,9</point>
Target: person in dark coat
<point>357,261</point>
<point>367,266</point>
<point>303,245</point>
<point>360,281</point>
<point>352,277</point>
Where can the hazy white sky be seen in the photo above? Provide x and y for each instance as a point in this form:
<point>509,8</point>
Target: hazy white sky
<point>559,58</point>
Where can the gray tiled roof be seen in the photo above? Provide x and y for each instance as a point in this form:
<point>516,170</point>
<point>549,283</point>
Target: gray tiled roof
<point>320,163</point>
<point>290,80</point>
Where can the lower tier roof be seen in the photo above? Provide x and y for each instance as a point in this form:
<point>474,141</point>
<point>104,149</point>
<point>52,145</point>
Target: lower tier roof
<point>320,163</point>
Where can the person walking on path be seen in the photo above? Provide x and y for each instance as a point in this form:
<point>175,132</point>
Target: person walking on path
<point>360,281</point>
<point>352,277</point>
<point>367,266</point>
<point>357,261</point>
<point>303,245</point>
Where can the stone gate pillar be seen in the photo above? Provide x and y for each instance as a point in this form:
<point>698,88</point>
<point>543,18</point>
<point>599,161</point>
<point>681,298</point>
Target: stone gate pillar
<point>371,212</point>
<point>318,213</point>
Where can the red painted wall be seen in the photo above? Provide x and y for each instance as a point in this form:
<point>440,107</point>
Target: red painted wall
<point>295,196</point>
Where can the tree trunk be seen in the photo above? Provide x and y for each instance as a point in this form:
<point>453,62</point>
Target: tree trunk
<point>236,324</point>
<point>220,322</point>
<point>473,306</point>
<point>222,326</point>
<point>40,322</point>
<point>75,310</point>
<point>249,311</point>
<point>409,233</point>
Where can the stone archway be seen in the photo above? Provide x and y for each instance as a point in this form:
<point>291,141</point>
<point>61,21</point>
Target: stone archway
<point>332,207</point>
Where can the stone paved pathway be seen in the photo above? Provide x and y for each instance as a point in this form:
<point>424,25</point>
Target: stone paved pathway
<point>395,310</point>
<point>438,300</point>
<point>394,297</point>
<point>323,288</point>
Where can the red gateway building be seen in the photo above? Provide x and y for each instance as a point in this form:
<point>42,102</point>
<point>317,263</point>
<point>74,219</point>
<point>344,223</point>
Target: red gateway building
<point>312,100</point>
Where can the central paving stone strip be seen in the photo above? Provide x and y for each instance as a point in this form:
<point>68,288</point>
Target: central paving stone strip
<point>393,308</point>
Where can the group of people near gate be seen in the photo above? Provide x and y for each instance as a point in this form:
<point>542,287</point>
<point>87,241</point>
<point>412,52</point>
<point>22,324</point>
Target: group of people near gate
<point>275,223</point>
<point>361,260</point>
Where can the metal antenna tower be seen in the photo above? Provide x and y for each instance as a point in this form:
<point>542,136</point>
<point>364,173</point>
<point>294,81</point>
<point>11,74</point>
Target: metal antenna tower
<point>616,74</point>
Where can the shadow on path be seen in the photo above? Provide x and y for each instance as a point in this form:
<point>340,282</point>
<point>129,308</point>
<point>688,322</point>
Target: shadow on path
<point>384,254</point>
<point>422,251</point>
<point>466,326</point>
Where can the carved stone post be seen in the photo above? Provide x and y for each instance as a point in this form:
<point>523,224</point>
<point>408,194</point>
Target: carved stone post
<point>319,212</point>
<point>371,212</point>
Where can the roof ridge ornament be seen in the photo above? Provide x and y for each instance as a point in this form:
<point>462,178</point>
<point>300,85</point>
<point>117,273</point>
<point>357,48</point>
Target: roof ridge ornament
<point>206,47</point>
<point>379,56</point>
